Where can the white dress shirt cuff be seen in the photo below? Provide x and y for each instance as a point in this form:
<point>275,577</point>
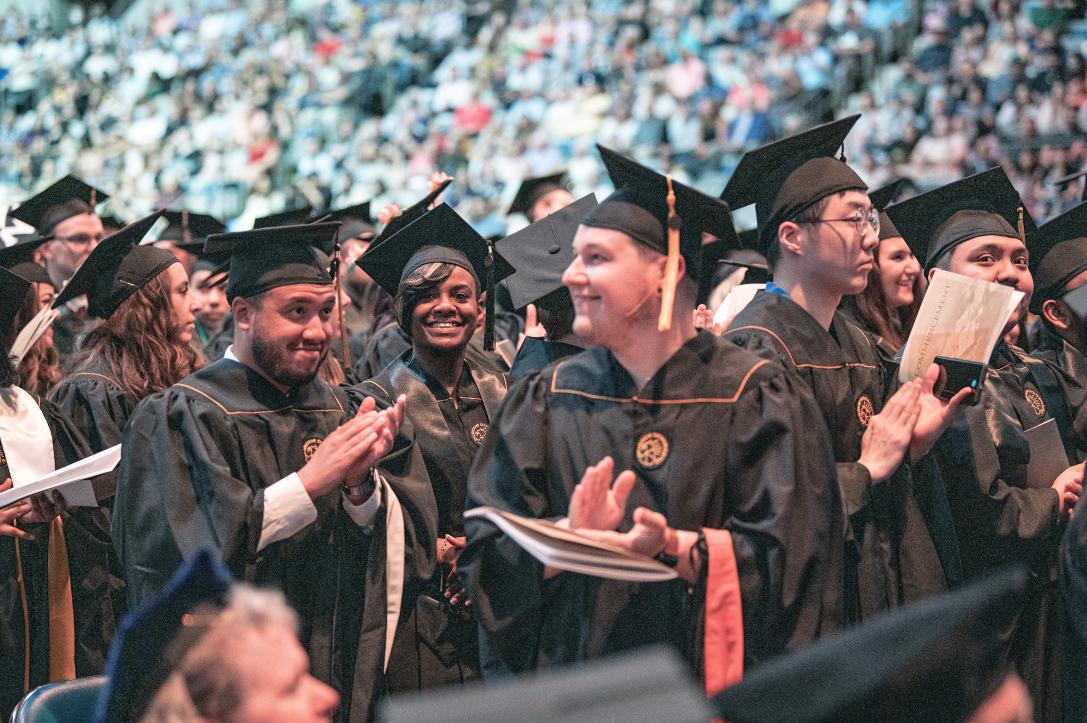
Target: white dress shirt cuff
<point>287,509</point>
<point>364,514</point>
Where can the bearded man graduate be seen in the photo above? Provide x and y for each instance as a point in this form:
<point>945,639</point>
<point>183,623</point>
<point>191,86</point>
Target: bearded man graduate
<point>818,230</point>
<point>716,471</point>
<point>978,227</point>
<point>257,458</point>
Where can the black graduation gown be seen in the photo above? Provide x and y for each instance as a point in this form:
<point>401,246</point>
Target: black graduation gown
<point>736,455</point>
<point>892,558</point>
<point>219,342</point>
<point>197,459</point>
<point>24,609</point>
<point>1073,591</point>
<point>437,645</point>
<point>1000,520</point>
<point>1069,365</point>
<point>535,354</point>
<point>68,331</point>
<point>98,408</point>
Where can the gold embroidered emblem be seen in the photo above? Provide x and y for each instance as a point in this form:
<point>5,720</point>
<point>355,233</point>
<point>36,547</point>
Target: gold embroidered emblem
<point>652,450</point>
<point>478,432</point>
<point>864,410</point>
<point>1034,399</point>
<point>310,447</point>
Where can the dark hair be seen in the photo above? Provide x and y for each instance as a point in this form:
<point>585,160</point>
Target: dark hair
<point>136,343</point>
<point>39,369</point>
<point>417,285</point>
<point>555,313</point>
<point>54,215</point>
<point>870,307</point>
<point>809,214</point>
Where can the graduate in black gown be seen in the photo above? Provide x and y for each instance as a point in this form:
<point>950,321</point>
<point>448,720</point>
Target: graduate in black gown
<point>717,471</point>
<point>435,268</point>
<point>37,626</point>
<point>258,458</point>
<point>979,228</point>
<point>818,230</point>
<point>141,346</point>
<point>63,215</point>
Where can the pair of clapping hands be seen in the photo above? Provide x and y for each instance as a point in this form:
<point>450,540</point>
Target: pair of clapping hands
<point>346,457</point>
<point>35,510</point>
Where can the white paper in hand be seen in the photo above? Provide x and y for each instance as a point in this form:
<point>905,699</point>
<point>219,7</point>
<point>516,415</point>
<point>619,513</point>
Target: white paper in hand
<point>565,549</point>
<point>72,482</point>
<point>960,317</point>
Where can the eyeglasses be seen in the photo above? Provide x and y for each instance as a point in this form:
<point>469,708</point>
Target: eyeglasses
<point>858,219</point>
<point>81,239</point>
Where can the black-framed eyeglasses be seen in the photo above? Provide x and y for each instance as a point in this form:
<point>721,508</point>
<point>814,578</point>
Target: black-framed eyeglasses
<point>80,239</point>
<point>858,219</point>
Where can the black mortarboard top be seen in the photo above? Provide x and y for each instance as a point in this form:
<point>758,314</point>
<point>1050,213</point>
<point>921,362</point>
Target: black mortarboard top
<point>639,208</point>
<point>13,291</point>
<point>117,268</point>
<point>66,198</point>
<point>541,252</point>
<point>758,271</point>
<point>883,197</point>
<point>189,230</point>
<point>266,258</point>
<point>32,272</point>
<point>533,189</point>
<point>985,204</point>
<point>412,212</point>
<point>139,662</point>
<point>785,178</point>
<point>1058,253</point>
<point>22,251</point>
<point>113,222</point>
<point>292,217</point>
<point>649,684</point>
<point>355,221</point>
<point>1065,180</point>
<point>935,660</point>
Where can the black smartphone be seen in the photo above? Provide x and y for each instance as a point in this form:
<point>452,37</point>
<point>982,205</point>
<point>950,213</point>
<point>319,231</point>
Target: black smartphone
<point>956,374</point>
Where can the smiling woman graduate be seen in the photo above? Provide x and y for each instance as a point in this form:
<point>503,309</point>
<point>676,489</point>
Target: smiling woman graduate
<point>435,268</point>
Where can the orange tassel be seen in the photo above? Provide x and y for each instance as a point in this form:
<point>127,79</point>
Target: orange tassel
<point>671,269</point>
<point>1022,226</point>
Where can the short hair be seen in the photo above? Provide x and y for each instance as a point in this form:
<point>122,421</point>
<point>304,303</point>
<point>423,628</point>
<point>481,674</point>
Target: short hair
<point>812,213</point>
<point>215,683</point>
<point>415,286</point>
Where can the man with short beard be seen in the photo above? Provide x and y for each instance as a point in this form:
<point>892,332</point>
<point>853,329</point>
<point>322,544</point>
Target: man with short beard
<point>261,460</point>
<point>978,227</point>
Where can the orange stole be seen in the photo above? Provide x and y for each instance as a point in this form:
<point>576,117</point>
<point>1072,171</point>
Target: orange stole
<point>723,644</point>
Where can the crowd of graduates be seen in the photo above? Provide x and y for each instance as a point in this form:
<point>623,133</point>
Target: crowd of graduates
<point>310,407</point>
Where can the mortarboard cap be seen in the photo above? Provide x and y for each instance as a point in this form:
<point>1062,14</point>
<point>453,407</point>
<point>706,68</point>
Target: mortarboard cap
<point>13,291</point>
<point>112,222</point>
<point>412,213</point>
<point>32,272</point>
<point>139,662</point>
<point>935,660</point>
<point>650,684</point>
<point>533,189</point>
<point>1065,180</point>
<point>355,221</point>
<point>66,198</point>
<point>1077,301</point>
<point>189,230</point>
<point>785,178</point>
<point>293,217</point>
<point>267,258</point>
<point>883,197</point>
<point>439,236</point>
<point>541,252</point>
<point>22,251</point>
<point>1058,253</point>
<point>117,268</point>
<point>985,204</point>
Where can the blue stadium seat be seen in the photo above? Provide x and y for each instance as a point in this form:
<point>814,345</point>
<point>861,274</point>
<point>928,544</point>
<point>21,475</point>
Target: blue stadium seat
<point>72,701</point>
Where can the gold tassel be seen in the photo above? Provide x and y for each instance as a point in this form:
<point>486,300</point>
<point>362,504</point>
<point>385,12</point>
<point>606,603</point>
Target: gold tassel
<point>671,269</point>
<point>1022,226</point>
<point>94,197</point>
<point>61,621</point>
<point>186,234</point>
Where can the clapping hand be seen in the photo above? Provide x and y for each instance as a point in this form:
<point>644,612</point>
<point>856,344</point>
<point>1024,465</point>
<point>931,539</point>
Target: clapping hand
<point>596,503</point>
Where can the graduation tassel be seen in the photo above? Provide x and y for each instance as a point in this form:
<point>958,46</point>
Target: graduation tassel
<point>334,269</point>
<point>488,326</point>
<point>94,197</point>
<point>1022,227</point>
<point>671,269</point>
<point>186,234</point>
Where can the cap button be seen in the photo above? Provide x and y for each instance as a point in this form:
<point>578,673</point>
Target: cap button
<point>554,250</point>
